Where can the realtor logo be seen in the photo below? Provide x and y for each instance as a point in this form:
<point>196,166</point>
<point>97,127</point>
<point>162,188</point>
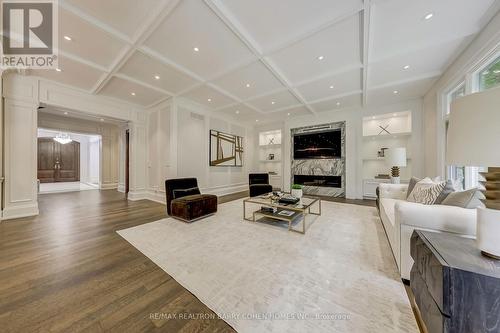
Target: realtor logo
<point>29,34</point>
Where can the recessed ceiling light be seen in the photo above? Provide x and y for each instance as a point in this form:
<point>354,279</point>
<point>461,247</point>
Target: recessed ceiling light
<point>394,114</point>
<point>157,77</point>
<point>256,120</point>
<point>321,57</point>
<point>68,38</point>
<point>273,102</point>
<point>248,85</point>
<point>196,49</point>
<point>132,93</point>
<point>102,119</point>
<point>237,111</point>
<point>288,114</point>
<point>331,87</point>
<point>209,99</point>
<point>338,103</point>
<point>395,92</point>
<point>406,67</point>
<point>428,16</point>
<point>66,112</point>
<point>58,70</point>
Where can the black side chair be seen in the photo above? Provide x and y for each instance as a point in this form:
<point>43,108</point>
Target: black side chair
<point>259,184</point>
<point>185,202</point>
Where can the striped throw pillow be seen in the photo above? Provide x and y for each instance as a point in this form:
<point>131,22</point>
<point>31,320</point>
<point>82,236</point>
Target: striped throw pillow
<point>426,192</point>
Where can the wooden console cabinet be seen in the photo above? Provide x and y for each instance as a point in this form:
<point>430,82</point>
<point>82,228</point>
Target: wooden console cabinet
<point>456,289</point>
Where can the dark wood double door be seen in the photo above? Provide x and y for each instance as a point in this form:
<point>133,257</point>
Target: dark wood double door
<point>58,162</point>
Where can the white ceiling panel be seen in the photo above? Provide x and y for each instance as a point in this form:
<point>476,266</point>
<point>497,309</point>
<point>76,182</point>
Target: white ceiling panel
<point>126,16</point>
<point>72,73</point>
<point>156,73</point>
<point>338,84</point>
<point>210,97</point>
<point>87,41</point>
<point>240,112</point>
<point>339,46</point>
<point>192,24</point>
<point>338,103</point>
<point>123,89</point>
<point>421,62</point>
<point>400,25</point>
<point>274,101</point>
<point>413,89</point>
<point>258,78</point>
<point>282,20</point>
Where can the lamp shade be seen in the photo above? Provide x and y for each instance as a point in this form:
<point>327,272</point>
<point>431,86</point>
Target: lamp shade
<point>474,130</point>
<point>396,157</point>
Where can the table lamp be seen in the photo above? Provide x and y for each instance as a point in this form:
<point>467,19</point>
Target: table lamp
<point>474,140</point>
<point>396,158</point>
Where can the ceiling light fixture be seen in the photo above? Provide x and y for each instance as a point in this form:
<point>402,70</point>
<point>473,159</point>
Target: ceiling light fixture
<point>248,85</point>
<point>102,119</point>
<point>132,93</point>
<point>209,99</point>
<point>428,16</point>
<point>63,138</point>
<point>256,120</point>
<point>331,87</point>
<point>288,114</point>
<point>237,111</point>
<point>395,92</point>
<point>196,49</point>
<point>273,102</point>
<point>338,103</point>
<point>68,38</point>
<point>58,70</point>
<point>66,113</point>
<point>406,67</point>
<point>321,57</point>
<point>157,77</point>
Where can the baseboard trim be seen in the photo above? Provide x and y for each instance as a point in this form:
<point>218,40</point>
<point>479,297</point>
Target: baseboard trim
<point>121,188</point>
<point>16,212</point>
<point>137,195</point>
<point>109,186</point>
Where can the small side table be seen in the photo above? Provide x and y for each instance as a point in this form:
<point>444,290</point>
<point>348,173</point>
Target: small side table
<point>457,290</point>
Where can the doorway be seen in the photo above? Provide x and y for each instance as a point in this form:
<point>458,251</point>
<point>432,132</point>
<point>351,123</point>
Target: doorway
<point>68,161</point>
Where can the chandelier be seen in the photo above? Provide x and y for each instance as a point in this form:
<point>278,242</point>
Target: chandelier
<point>63,138</point>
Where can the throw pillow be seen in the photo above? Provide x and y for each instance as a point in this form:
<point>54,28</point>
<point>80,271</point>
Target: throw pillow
<point>449,188</point>
<point>426,191</point>
<point>185,192</point>
<point>465,199</point>
<point>411,185</point>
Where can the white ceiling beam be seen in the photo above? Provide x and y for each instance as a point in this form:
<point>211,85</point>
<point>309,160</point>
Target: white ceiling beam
<point>329,74</point>
<point>164,9</point>
<point>225,16</point>
<point>366,43</point>
<point>144,84</point>
<point>425,76</point>
<point>82,61</point>
<point>330,98</point>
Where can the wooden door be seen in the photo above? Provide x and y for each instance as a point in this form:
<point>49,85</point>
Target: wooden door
<point>58,162</point>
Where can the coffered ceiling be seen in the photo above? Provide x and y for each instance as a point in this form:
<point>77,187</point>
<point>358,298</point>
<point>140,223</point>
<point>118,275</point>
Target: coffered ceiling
<point>262,59</point>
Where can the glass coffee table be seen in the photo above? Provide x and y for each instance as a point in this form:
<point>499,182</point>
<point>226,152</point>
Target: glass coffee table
<point>297,211</point>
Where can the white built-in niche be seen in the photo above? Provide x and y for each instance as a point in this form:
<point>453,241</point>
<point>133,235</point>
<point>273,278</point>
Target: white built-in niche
<point>270,156</point>
<point>391,130</point>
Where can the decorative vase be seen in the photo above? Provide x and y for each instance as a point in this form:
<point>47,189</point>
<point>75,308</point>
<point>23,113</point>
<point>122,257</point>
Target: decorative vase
<point>297,193</point>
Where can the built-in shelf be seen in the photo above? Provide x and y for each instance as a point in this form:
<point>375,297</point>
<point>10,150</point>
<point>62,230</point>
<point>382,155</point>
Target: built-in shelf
<point>270,146</point>
<point>270,161</point>
<point>387,136</point>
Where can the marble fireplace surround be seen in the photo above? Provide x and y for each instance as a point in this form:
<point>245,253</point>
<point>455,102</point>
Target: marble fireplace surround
<point>320,167</point>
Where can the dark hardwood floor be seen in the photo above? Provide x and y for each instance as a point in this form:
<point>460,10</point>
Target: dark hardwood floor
<point>67,270</point>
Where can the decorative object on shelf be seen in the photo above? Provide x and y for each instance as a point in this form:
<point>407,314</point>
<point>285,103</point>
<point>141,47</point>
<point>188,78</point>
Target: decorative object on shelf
<point>381,152</point>
<point>396,158</point>
<point>384,129</point>
<point>473,138</point>
<point>382,176</point>
<point>63,138</point>
<point>273,173</point>
<point>270,157</point>
<point>225,149</point>
<point>297,191</point>
<point>271,141</point>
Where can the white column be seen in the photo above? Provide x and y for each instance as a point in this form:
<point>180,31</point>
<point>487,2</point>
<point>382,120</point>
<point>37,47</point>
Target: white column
<point>138,190</point>
<point>20,159</point>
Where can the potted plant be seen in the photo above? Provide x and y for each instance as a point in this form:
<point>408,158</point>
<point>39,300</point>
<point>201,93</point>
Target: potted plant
<point>297,191</point>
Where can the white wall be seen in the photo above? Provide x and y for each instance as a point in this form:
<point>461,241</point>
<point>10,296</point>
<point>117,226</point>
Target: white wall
<point>89,153</point>
<point>178,146</point>
<point>354,138</point>
<point>485,46</point>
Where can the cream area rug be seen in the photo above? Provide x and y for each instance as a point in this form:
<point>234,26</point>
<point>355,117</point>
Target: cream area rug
<point>338,277</point>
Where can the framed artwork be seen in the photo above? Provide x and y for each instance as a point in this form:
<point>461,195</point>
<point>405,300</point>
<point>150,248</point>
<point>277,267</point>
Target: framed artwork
<point>225,149</point>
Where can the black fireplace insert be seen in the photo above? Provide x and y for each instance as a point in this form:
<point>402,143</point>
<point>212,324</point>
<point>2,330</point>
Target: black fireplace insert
<point>321,181</point>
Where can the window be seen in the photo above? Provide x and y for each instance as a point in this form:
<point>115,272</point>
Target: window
<point>457,174</point>
<point>454,94</point>
<point>489,77</point>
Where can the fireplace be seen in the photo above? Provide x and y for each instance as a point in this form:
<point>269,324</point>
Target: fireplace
<point>318,181</point>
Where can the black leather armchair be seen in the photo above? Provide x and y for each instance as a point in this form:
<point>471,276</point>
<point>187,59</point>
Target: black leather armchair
<point>184,201</point>
<point>259,184</point>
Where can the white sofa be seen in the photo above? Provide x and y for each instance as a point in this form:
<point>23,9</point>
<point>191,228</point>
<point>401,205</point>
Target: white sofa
<point>401,217</point>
